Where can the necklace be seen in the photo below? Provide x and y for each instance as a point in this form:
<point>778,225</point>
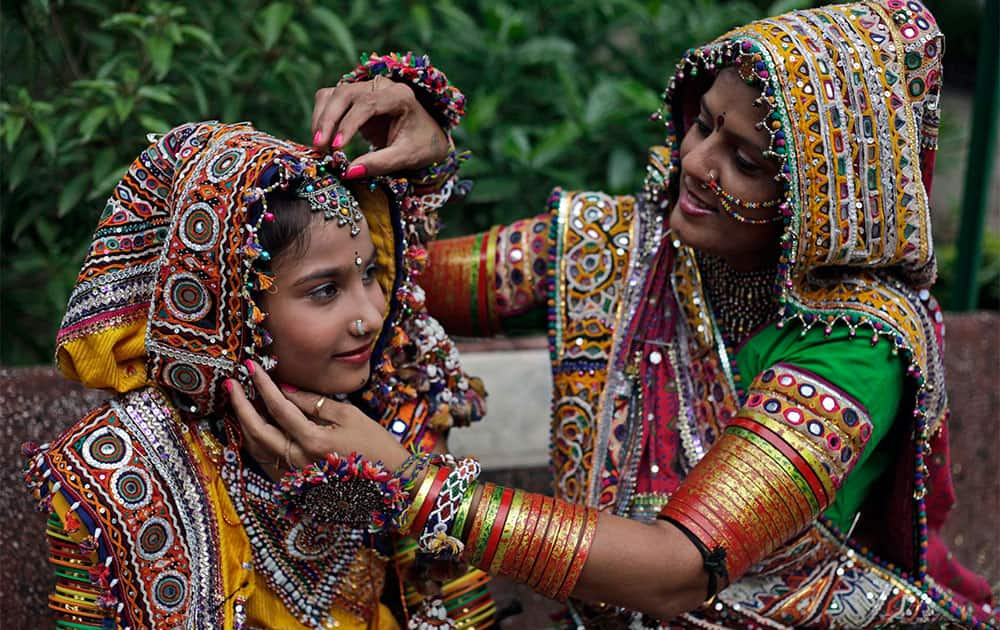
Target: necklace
<point>740,300</point>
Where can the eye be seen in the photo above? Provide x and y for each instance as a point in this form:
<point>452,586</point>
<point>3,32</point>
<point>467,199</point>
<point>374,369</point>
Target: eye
<point>746,166</point>
<point>370,273</point>
<point>326,291</point>
<point>703,127</point>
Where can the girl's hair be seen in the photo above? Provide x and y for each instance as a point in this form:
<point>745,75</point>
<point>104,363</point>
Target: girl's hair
<point>292,214</point>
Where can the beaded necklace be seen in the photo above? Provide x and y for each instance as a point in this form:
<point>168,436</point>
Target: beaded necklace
<point>740,300</point>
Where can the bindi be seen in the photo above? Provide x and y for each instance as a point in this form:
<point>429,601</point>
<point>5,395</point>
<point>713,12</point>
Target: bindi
<point>720,120</point>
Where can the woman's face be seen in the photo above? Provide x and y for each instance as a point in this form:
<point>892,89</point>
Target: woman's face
<point>320,291</point>
<point>723,140</point>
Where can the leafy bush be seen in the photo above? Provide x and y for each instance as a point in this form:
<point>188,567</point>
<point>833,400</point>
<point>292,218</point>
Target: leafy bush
<point>559,92</point>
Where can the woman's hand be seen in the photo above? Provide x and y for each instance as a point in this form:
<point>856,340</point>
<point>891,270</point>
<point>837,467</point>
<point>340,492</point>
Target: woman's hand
<point>308,427</point>
<point>389,116</point>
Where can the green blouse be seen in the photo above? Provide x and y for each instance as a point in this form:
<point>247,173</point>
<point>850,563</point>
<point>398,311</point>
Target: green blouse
<point>871,375</point>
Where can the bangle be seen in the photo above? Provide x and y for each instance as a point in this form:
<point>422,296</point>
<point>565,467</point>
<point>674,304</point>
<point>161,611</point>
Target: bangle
<point>558,514</point>
<point>534,544</point>
<point>509,529</point>
<point>580,557</point>
<point>443,101</point>
<point>477,521</point>
<point>486,515</point>
<point>435,539</point>
<point>496,526</point>
<point>408,518</point>
<point>420,520</point>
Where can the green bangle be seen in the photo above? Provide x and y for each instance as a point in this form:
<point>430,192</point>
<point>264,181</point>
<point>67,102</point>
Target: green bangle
<point>458,526</point>
<point>489,520</point>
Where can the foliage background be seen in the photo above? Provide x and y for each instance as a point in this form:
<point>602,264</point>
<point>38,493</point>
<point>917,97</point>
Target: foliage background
<point>559,92</point>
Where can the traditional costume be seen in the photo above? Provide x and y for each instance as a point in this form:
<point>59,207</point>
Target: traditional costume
<point>792,423</point>
<point>157,518</point>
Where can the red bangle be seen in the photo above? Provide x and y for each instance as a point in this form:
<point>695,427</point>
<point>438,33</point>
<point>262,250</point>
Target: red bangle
<point>420,519</point>
<point>477,521</point>
<point>496,528</point>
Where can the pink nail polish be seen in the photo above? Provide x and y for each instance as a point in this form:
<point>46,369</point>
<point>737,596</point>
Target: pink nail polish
<point>338,140</point>
<point>288,388</point>
<point>316,138</point>
<point>249,365</point>
<point>228,384</point>
<point>358,170</point>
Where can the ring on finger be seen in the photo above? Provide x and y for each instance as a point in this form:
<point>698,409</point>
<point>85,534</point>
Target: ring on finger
<point>375,82</point>
<point>319,405</point>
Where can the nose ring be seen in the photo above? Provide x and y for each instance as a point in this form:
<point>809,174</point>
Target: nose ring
<point>359,328</point>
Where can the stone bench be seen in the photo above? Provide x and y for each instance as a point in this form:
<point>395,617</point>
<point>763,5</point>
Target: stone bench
<point>36,403</point>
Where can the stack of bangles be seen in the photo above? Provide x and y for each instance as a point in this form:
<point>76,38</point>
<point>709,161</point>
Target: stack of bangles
<point>534,539</point>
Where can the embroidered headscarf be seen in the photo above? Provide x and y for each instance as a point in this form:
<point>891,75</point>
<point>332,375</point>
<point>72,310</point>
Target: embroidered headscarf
<point>849,98</point>
<point>165,295</point>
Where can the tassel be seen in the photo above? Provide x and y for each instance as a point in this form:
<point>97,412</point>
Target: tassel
<point>264,281</point>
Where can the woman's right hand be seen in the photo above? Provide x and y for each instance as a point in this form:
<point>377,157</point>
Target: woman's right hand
<point>389,116</point>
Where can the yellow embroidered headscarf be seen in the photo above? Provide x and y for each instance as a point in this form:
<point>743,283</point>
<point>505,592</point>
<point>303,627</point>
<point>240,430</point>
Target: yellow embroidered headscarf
<point>849,96</point>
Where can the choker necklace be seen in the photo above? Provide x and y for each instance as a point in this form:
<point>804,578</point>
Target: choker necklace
<point>741,301</point>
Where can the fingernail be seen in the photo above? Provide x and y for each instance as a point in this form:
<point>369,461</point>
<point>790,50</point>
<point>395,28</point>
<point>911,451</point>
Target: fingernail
<point>228,384</point>
<point>338,140</point>
<point>288,388</point>
<point>358,170</point>
<point>249,365</point>
<point>316,138</point>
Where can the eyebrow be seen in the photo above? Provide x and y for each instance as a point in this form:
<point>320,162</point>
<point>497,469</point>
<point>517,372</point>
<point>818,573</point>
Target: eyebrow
<point>334,272</point>
<point>728,131</point>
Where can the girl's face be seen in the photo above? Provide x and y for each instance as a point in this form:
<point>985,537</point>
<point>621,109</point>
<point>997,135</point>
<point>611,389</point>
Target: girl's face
<point>320,292</point>
<point>723,141</point>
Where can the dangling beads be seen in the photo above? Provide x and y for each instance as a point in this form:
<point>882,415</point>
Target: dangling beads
<point>730,202</point>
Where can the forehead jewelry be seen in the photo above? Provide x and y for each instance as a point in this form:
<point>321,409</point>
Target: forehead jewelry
<point>731,202</point>
<point>334,200</point>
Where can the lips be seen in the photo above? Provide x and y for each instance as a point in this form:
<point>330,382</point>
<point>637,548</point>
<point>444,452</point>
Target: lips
<point>358,355</point>
<point>692,205</point>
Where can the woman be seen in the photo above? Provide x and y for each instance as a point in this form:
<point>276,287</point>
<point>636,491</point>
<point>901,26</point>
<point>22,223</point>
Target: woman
<point>223,244</point>
<point>746,358</point>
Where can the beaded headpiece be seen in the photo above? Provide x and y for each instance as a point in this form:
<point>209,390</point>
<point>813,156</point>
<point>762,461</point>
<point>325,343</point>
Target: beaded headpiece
<point>328,195</point>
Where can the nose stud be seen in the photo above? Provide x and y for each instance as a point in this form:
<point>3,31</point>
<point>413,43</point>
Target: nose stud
<point>359,328</point>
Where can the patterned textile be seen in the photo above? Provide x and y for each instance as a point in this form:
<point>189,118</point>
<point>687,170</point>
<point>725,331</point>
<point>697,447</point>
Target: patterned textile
<point>849,95</point>
<point>163,312</point>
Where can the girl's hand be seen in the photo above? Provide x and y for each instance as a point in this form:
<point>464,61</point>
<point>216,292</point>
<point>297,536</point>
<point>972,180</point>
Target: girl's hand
<point>308,426</point>
<point>389,116</point>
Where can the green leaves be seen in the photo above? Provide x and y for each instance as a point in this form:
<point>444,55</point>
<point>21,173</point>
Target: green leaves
<point>272,21</point>
<point>559,94</point>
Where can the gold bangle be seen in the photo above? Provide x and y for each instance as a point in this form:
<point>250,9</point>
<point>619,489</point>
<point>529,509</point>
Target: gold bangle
<point>418,499</point>
<point>555,565</point>
<point>548,540</point>
<point>580,557</point>
<point>509,527</point>
<point>533,544</point>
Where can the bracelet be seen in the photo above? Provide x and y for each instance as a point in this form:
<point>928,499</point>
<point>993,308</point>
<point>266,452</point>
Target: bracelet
<point>580,558</point>
<point>444,102</point>
<point>714,560</point>
<point>408,518</point>
<point>420,520</point>
<point>340,491</point>
<point>434,538</point>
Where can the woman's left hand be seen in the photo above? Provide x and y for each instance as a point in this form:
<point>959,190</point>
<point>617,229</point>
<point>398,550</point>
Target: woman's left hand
<point>308,426</point>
